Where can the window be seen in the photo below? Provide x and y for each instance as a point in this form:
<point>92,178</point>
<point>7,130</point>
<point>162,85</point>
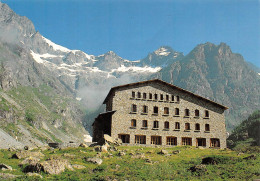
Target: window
<point>177,98</point>
<point>155,110</point>
<point>170,140</point>
<point>134,108</point>
<point>167,97</point>
<point>140,139</point>
<point>156,140</point>
<point>133,94</point>
<point>186,141</point>
<point>177,125</point>
<point>133,123</point>
<point>150,96</point>
<point>144,95</point>
<point>207,127</point>
<point>166,125</point>
<point>156,124</point>
<point>201,141</point>
<point>177,111</point>
<point>124,137</point>
<point>197,126</point>
<point>206,113</point>
<point>214,142</point>
<point>187,112</point>
<point>139,95</point>
<point>145,125</point>
<point>161,97</point>
<point>166,110</point>
<point>197,113</point>
<point>145,109</point>
<point>187,126</point>
<point>155,96</point>
<point>172,98</point>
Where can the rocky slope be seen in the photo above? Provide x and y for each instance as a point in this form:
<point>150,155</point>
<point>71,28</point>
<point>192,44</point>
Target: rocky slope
<point>217,73</point>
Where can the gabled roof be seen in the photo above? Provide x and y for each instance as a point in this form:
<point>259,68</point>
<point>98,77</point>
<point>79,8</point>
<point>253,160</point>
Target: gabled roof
<point>164,83</point>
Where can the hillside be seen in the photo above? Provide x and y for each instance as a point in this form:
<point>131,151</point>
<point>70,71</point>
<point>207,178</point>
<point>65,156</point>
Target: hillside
<point>247,133</point>
<point>130,163</point>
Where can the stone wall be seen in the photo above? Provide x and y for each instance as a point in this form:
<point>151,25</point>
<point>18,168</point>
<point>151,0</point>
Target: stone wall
<point>121,119</point>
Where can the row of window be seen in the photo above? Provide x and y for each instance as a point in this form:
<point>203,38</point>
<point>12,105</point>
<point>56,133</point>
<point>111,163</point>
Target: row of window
<point>160,97</point>
<point>166,111</point>
<point>167,125</point>
<point>170,140</point>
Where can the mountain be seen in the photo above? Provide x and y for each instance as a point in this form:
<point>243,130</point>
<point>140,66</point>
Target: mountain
<point>215,72</point>
<point>48,92</point>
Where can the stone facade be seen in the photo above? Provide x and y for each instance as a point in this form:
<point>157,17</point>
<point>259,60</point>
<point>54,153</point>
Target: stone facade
<point>132,115</point>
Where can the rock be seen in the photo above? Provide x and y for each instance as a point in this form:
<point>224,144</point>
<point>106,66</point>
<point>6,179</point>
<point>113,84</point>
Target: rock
<point>163,152</point>
<point>121,153</point>
<point>5,167</point>
<point>148,160</point>
<point>176,152</point>
<point>30,160</point>
<point>78,166</point>
<point>108,139</point>
<point>150,152</point>
<point>83,145</point>
<point>94,160</point>
<point>35,167</point>
<point>50,166</point>
<point>139,156</point>
<point>198,168</point>
<point>26,148</point>
<point>118,142</point>
<point>34,175</point>
<point>8,176</point>
<point>56,145</point>
<point>11,149</point>
<point>251,157</point>
<point>104,148</point>
<point>210,161</point>
<point>25,154</point>
<point>56,166</point>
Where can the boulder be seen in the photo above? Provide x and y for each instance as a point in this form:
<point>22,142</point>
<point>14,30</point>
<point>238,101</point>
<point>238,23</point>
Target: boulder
<point>83,145</point>
<point>34,167</point>
<point>8,176</point>
<point>34,175</point>
<point>163,152</point>
<point>121,153</point>
<point>30,160</point>
<point>103,148</point>
<point>94,160</point>
<point>198,168</point>
<point>176,152</point>
<point>50,166</point>
<point>67,155</point>
<point>118,142</point>
<point>108,139</point>
<point>5,167</point>
<point>56,166</point>
<point>25,154</point>
<point>78,166</point>
<point>56,145</point>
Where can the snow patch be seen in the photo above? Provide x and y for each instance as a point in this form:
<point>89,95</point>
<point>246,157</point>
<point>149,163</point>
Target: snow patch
<point>162,52</point>
<point>78,98</point>
<point>137,69</point>
<point>55,46</point>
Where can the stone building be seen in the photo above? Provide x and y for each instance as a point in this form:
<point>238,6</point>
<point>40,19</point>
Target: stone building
<point>154,112</point>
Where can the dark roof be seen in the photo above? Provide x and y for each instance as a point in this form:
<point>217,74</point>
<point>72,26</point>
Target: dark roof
<point>165,83</point>
<point>103,114</point>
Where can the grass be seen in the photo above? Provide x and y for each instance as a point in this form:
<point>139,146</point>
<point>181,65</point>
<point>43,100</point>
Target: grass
<point>174,167</point>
